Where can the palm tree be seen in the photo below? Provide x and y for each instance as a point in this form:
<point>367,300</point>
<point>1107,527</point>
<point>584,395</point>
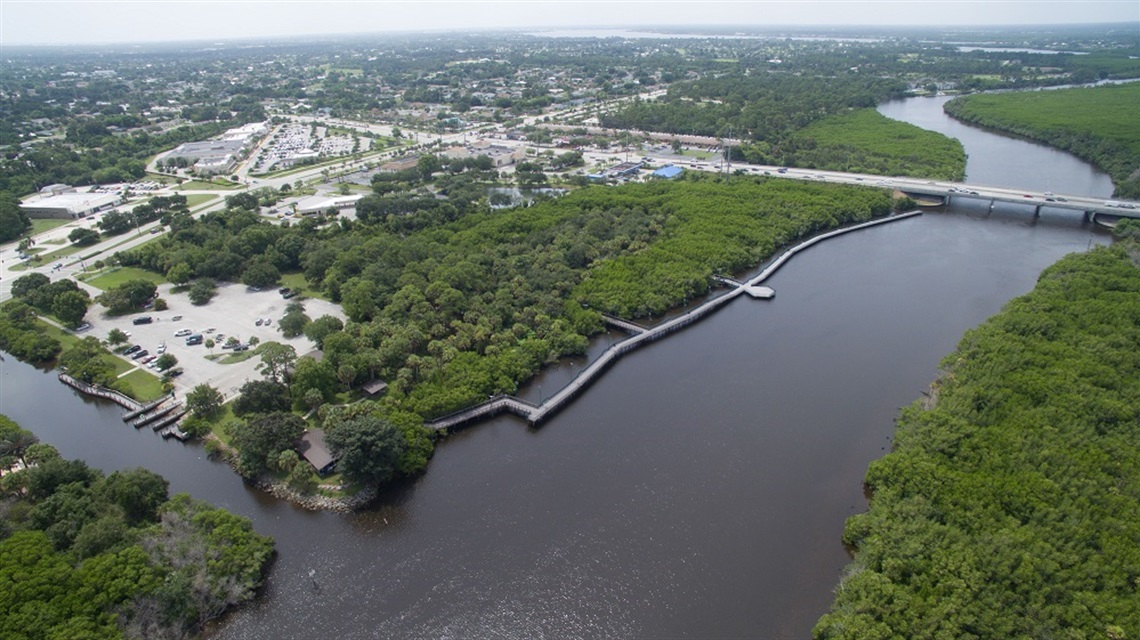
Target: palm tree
<point>16,444</point>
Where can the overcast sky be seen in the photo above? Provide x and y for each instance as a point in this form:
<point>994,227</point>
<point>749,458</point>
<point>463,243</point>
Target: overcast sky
<point>100,21</point>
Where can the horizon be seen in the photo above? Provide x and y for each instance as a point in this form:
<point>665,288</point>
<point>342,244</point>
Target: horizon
<point>44,23</point>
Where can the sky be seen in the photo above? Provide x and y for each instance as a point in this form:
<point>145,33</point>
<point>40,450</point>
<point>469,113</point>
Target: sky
<point>61,22</point>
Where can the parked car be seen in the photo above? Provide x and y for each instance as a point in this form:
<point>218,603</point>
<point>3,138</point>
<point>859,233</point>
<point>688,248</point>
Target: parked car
<point>83,327</point>
<point>176,318</point>
<point>138,355</point>
<point>131,349</point>
<point>194,339</point>
<point>259,322</point>
<point>161,348</point>
<point>174,373</point>
<point>142,320</point>
<point>149,359</point>
<point>182,332</point>
<point>283,290</point>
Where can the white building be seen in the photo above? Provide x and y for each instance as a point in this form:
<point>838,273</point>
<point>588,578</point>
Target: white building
<point>70,205</point>
<point>321,204</point>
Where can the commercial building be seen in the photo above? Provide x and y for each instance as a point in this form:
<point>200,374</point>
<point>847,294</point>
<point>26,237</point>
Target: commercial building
<point>70,205</point>
<point>668,172</point>
<point>321,204</point>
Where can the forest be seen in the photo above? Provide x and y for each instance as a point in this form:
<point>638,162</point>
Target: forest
<point>449,312</point>
<point>820,123</point>
<point>1097,124</point>
<point>1009,506</point>
<point>88,555</point>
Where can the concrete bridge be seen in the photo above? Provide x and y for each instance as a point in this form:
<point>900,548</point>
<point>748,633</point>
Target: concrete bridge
<point>1090,207</point>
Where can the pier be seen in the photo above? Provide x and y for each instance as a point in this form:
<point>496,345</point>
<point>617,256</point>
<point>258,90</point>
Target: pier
<point>165,420</point>
<point>536,414</point>
<point>100,392</point>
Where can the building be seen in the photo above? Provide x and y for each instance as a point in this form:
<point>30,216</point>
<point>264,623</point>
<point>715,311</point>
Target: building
<point>320,204</point>
<point>668,172</point>
<point>57,189</point>
<point>70,205</point>
<point>624,170</point>
<point>314,450</point>
<point>500,155</point>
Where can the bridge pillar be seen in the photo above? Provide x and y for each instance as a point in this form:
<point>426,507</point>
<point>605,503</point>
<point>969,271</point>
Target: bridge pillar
<point>1087,215</point>
<point>992,205</point>
<point>1037,211</point>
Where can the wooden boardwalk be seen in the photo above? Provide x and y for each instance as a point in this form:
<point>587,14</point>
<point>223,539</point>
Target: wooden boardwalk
<point>624,325</point>
<point>100,392</point>
<point>166,424</point>
<point>536,414</point>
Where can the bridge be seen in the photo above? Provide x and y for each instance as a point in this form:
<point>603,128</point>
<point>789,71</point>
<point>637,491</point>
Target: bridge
<point>536,414</point>
<point>1089,206</point>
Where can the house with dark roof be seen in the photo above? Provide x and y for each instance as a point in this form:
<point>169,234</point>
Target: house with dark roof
<point>314,450</point>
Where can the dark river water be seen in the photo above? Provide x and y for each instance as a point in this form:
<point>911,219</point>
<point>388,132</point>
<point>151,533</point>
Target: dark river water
<point>697,490</point>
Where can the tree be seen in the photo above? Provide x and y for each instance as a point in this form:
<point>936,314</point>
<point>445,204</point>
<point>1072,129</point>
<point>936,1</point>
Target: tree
<point>85,361</point>
<point>70,307</point>
<point>261,273</point>
<point>262,439</point>
<point>321,327</point>
<point>261,396</point>
<point>83,237</point>
<point>427,165</point>
<point>13,221</point>
<point>179,274</point>
<point>24,286</point>
<point>204,401</point>
<point>15,443</point>
<point>276,361</point>
<point>116,337</point>
<point>128,297</point>
<point>166,361</point>
<point>294,321</point>
<point>40,453</point>
<point>368,448</point>
<point>202,291</point>
<point>138,492</point>
<point>308,376</point>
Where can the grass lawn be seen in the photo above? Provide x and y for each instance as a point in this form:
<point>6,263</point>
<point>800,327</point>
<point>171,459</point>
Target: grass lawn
<point>296,282</point>
<point>224,416</point>
<point>199,185</point>
<point>39,225</point>
<point>143,385</point>
<point>66,338</point>
<point>195,199</point>
<point>62,253</point>
<point>118,276</point>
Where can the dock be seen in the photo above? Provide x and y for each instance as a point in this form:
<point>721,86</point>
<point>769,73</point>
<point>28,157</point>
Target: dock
<point>153,415</point>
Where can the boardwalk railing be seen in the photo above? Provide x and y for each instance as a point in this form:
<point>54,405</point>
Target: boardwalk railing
<point>537,414</point>
<point>100,392</point>
<point>624,325</point>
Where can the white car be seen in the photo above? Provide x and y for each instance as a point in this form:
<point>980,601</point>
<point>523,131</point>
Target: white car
<point>182,332</point>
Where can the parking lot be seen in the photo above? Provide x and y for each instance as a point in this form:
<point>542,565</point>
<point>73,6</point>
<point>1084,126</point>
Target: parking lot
<point>234,311</point>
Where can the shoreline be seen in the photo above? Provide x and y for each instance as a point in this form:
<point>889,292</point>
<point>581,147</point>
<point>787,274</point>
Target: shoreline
<point>535,414</point>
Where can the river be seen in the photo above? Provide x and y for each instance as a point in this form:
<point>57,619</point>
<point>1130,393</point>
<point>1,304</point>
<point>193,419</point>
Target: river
<point>698,489</point>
